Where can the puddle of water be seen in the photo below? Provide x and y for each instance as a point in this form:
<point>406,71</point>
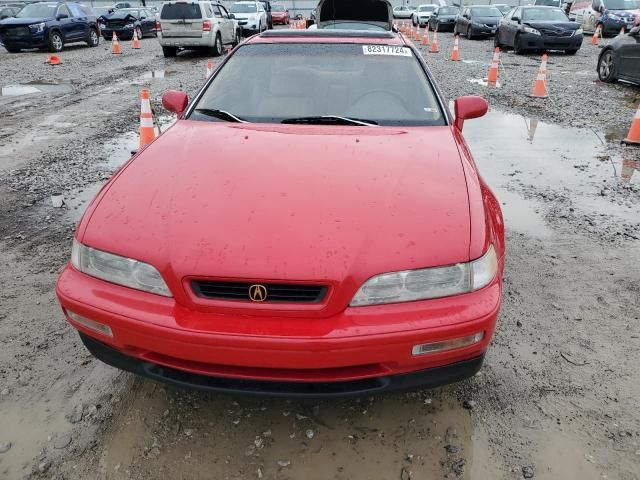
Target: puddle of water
<point>17,90</point>
<point>522,215</point>
<point>158,74</point>
<point>33,88</point>
<point>484,82</point>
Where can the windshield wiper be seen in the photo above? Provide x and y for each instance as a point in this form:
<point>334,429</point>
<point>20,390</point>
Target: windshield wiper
<point>330,119</point>
<point>221,114</point>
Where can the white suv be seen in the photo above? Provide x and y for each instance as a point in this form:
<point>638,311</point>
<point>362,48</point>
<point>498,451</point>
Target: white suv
<point>196,25</point>
<point>251,16</point>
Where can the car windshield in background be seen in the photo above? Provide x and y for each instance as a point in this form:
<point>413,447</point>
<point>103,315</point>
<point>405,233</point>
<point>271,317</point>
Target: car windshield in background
<point>351,84</point>
<point>548,3</point>
<point>181,11</point>
<point>278,8</point>
<point>623,4</point>
<point>448,11</point>
<point>38,10</point>
<point>243,8</point>
<point>426,8</point>
<point>354,26</point>
<point>485,12</point>
<point>544,14</point>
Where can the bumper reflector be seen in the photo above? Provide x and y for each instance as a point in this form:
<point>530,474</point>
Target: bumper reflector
<point>453,344</point>
<point>90,324</point>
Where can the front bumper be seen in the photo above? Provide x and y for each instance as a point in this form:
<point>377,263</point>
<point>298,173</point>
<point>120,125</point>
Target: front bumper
<point>122,33</point>
<point>612,27</point>
<point>36,40</point>
<point>355,345</point>
<point>422,21</point>
<point>483,30</point>
<point>542,42</point>
<point>446,25</point>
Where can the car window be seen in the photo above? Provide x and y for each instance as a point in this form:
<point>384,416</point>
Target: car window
<point>243,8</point>
<point>75,10</point>
<point>63,10</point>
<point>544,14</point>
<point>38,10</point>
<point>517,14</point>
<point>208,10</point>
<point>223,11</point>
<point>447,11</point>
<point>268,83</point>
<point>181,11</point>
<point>485,12</point>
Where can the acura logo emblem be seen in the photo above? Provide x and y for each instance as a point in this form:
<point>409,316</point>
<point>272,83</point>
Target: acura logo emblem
<point>258,293</point>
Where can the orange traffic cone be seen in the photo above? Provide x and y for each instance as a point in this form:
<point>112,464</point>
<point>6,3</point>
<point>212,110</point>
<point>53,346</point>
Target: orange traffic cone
<point>210,66</point>
<point>434,43</point>
<point>492,77</point>
<point>135,44</point>
<point>147,132</point>
<point>540,87</point>
<point>596,35</point>
<point>455,53</point>
<point>53,60</point>
<point>418,37</point>
<point>621,34</point>
<point>633,137</point>
<point>115,45</point>
<point>425,37</point>
<point>628,167</point>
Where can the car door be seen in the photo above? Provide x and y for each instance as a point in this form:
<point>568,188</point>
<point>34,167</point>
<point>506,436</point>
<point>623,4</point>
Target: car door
<point>80,21</point>
<point>219,21</point>
<point>66,24</point>
<point>229,24</point>
<point>145,21</point>
<point>629,58</point>
<point>513,26</point>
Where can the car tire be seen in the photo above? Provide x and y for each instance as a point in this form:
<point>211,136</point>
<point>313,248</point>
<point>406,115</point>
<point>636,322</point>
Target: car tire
<point>217,46</point>
<point>517,47</point>
<point>139,32</point>
<point>607,67</point>
<point>169,52</point>
<point>94,38</point>
<point>236,38</point>
<point>55,43</point>
<point>469,33</point>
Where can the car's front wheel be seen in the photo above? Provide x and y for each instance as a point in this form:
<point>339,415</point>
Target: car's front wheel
<point>139,33</point>
<point>518,49</point>
<point>217,46</point>
<point>94,39</point>
<point>56,43</point>
<point>469,33</point>
<point>607,67</point>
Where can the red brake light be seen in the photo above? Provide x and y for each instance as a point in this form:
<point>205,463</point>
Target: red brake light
<point>206,26</point>
<point>158,27</point>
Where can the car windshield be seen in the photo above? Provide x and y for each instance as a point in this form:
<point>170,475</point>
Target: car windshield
<point>544,14</point>
<point>181,11</point>
<point>321,83</point>
<point>426,8</point>
<point>353,26</point>
<point>448,11</point>
<point>623,4</point>
<point>278,8</point>
<point>485,12</point>
<point>548,3</point>
<point>38,10</point>
<point>243,8</point>
<point>124,12</point>
<point>503,8</point>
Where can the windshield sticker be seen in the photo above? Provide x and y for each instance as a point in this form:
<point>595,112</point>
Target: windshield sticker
<point>386,50</point>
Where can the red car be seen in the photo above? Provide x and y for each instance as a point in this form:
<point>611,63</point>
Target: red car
<point>280,15</point>
<point>313,225</point>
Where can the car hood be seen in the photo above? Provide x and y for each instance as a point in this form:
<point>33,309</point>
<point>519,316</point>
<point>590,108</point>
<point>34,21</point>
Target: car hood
<point>25,21</point>
<point>560,26</point>
<point>487,20</point>
<point>290,202</point>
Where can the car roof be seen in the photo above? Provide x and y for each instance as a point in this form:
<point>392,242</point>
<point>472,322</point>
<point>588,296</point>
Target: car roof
<point>363,37</point>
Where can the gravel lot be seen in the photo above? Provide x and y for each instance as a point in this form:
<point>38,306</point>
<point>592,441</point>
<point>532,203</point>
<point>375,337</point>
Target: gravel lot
<point>557,398</point>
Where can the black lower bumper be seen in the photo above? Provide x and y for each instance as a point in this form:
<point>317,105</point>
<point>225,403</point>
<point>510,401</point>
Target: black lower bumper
<point>543,42</point>
<point>421,379</point>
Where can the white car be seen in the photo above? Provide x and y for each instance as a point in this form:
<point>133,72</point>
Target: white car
<point>196,25</point>
<point>251,16</point>
<point>403,11</point>
<point>423,13</point>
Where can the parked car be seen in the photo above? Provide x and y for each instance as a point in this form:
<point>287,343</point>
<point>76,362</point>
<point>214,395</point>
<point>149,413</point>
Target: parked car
<point>267,8</point>
<point>476,21</point>
<point>403,11</point>
<point>50,25</point>
<point>118,5</point>
<point>610,15</point>
<point>196,25</point>
<point>620,59</point>
<point>538,28</point>
<point>251,16</point>
<point>503,7</point>
<point>422,14</point>
<point>375,15</point>
<point>203,264</point>
<point>125,21</point>
<point>443,19</point>
<point>280,15</point>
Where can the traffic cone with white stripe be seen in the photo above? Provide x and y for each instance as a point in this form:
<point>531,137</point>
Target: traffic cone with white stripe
<point>135,43</point>
<point>597,34</point>
<point>115,45</point>
<point>418,36</point>
<point>633,137</point>
<point>455,54</point>
<point>540,87</point>
<point>622,30</point>
<point>147,131</point>
<point>210,66</point>
<point>425,38</point>
<point>492,76</point>
<point>434,43</point>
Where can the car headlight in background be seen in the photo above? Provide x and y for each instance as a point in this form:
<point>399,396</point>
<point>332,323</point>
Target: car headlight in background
<point>577,32</point>
<point>533,31</point>
<point>116,269</point>
<point>427,283</point>
<point>37,27</point>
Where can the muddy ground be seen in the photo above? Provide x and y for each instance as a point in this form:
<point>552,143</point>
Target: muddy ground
<point>558,396</point>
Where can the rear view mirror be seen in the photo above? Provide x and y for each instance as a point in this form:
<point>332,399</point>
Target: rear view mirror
<point>466,108</point>
<point>175,101</point>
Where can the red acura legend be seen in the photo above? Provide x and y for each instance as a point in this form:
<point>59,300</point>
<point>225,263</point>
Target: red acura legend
<point>313,225</point>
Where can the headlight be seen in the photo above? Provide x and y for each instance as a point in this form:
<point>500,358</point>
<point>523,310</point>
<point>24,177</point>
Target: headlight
<point>129,25</point>
<point>531,30</point>
<point>615,17</point>
<point>37,27</point>
<point>577,32</point>
<point>116,269</point>
<point>437,282</point>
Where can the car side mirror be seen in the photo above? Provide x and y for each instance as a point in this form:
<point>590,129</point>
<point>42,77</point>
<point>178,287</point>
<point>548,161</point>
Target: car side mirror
<point>175,101</point>
<point>232,16</point>
<point>468,107</point>
<point>62,16</point>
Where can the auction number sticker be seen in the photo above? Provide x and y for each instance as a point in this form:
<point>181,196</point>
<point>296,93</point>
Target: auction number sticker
<point>386,50</point>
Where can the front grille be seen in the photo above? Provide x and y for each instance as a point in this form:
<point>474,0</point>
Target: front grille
<point>555,33</point>
<point>116,23</point>
<point>275,292</point>
<point>15,32</point>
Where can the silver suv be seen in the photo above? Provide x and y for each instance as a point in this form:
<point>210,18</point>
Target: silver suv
<point>196,25</point>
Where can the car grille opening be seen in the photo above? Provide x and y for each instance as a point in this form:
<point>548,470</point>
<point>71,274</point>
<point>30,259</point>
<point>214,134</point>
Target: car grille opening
<point>275,292</point>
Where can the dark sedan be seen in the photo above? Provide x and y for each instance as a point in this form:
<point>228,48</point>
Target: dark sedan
<point>476,21</point>
<point>538,28</point>
<point>443,19</point>
<point>125,20</point>
<point>620,59</point>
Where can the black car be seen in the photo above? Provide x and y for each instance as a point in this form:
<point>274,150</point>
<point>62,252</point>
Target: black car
<point>125,20</point>
<point>538,28</point>
<point>443,19</point>
<point>267,8</point>
<point>49,25</point>
<point>478,20</point>
<point>620,59</point>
